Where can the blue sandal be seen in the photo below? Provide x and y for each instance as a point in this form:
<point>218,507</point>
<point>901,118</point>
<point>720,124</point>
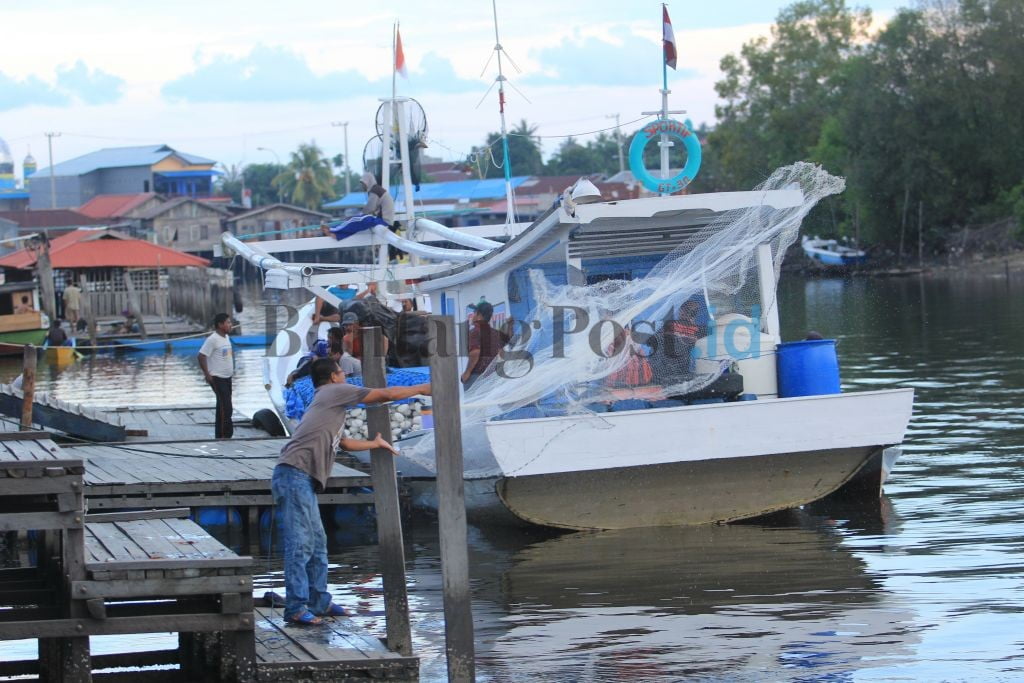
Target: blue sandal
<point>305,618</point>
<point>335,611</point>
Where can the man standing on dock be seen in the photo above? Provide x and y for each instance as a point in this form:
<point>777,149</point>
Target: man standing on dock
<point>217,363</point>
<point>72,298</point>
<point>302,471</point>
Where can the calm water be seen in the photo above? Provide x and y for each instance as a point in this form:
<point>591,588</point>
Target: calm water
<point>927,584</point>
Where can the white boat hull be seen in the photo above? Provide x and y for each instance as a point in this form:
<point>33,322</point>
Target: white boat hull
<point>694,464</point>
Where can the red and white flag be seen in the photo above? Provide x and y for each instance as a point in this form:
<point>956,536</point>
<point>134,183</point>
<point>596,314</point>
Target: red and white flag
<point>400,55</point>
<point>668,38</point>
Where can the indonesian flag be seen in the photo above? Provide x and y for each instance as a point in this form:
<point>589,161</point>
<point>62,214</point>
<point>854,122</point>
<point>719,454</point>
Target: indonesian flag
<point>400,55</point>
<point>668,38</point>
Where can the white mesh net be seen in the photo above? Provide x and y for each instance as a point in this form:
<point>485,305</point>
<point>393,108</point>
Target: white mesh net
<point>658,340</point>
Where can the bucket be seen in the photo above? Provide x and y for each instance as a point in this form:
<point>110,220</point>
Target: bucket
<point>808,368</point>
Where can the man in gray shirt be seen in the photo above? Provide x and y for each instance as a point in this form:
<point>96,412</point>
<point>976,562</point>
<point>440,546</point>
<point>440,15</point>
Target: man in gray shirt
<point>302,471</point>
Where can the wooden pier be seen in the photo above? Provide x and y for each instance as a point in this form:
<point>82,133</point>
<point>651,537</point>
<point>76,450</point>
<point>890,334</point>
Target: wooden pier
<point>153,571</point>
<point>336,650</point>
<point>121,423</point>
<point>195,474</point>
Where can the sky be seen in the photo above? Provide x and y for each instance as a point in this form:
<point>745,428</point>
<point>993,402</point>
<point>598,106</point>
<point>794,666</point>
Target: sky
<point>246,82</point>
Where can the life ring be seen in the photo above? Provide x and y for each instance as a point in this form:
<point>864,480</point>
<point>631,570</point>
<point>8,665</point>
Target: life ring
<point>673,129</point>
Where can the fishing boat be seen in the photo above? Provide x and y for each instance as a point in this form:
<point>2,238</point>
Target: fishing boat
<point>580,422</point>
<point>630,458</point>
<point>831,254</point>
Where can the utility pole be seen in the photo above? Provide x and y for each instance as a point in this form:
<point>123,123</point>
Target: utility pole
<point>618,139</point>
<point>277,159</point>
<point>348,171</point>
<point>53,182</point>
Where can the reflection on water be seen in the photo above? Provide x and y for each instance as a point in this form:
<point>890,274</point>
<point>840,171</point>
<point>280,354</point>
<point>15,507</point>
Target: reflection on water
<point>926,584</point>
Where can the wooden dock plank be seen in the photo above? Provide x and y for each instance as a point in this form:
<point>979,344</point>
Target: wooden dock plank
<point>156,541</point>
<point>323,652</point>
<point>107,544</point>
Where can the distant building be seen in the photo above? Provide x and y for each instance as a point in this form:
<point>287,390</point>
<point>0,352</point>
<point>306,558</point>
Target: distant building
<point>103,256</point>
<point>28,166</point>
<point>8,231</point>
<point>123,211</point>
<point>275,218</point>
<point>482,202</point>
<point>123,170</point>
<point>184,224</point>
<point>49,221</point>
<point>12,197</point>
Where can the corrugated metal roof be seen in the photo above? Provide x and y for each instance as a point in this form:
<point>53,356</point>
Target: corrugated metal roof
<point>264,209</point>
<point>161,209</point>
<point>49,218</point>
<point>472,190</point>
<point>117,157</point>
<point>114,205</point>
<point>93,249</point>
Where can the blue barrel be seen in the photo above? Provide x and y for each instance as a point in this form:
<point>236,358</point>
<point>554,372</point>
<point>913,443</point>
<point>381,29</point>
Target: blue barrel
<point>808,368</point>
<point>212,518</point>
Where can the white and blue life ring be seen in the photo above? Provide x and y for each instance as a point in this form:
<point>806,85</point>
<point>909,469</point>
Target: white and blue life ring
<point>673,129</point>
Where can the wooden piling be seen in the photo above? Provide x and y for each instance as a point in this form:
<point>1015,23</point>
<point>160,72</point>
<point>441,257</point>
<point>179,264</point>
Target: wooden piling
<point>28,386</point>
<point>88,309</point>
<point>133,303</point>
<point>385,497</point>
<point>44,273</point>
<point>458,613</point>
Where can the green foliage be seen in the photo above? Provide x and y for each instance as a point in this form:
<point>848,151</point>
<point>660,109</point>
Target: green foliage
<point>931,109</point>
<point>523,152</point>
<point>599,155</point>
<point>307,180</point>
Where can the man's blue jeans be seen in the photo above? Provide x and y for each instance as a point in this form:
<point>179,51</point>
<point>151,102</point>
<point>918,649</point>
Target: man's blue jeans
<point>305,543</point>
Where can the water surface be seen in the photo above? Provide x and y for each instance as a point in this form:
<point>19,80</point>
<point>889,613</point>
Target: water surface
<point>925,584</point>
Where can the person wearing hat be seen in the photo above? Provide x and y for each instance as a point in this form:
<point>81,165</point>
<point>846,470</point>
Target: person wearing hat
<point>216,360</point>
<point>485,343</point>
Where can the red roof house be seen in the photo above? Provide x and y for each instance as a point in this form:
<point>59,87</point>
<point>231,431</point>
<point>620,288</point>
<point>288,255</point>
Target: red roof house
<point>119,205</point>
<point>103,248</point>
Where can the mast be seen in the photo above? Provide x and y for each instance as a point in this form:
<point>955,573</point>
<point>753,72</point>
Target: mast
<point>664,143</point>
<point>510,207</point>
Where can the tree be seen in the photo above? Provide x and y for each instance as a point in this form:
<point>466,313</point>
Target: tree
<point>307,180</point>
<point>599,155</point>
<point>259,179</point>
<point>523,150</point>
<point>230,182</point>
<point>777,93</point>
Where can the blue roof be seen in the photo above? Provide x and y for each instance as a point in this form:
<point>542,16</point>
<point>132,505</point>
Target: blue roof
<point>472,190</point>
<point>119,157</point>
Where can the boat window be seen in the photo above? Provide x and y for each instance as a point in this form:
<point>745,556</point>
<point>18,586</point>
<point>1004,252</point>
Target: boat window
<point>601,277</point>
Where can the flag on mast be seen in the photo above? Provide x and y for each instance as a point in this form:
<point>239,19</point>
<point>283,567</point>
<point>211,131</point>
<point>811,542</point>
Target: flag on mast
<point>668,38</point>
<point>400,55</point>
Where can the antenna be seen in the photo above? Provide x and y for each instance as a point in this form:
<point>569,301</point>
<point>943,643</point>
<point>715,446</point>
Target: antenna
<point>510,207</point>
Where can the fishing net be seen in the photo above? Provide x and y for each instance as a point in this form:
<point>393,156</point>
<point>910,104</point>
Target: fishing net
<point>686,332</point>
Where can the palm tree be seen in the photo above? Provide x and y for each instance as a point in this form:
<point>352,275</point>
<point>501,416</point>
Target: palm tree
<point>308,179</point>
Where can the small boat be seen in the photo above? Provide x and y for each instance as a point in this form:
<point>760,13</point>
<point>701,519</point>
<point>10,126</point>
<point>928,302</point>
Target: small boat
<point>185,344</point>
<point>27,327</point>
<point>61,355</point>
<point>831,254</point>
